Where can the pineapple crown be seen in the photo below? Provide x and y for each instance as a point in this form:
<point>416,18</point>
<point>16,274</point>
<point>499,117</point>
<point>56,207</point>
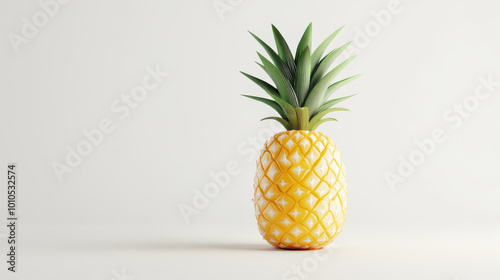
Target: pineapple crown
<point>303,84</point>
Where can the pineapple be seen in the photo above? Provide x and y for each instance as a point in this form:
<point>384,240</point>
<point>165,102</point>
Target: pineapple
<point>300,184</point>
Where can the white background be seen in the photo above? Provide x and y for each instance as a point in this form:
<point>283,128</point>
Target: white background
<point>120,207</point>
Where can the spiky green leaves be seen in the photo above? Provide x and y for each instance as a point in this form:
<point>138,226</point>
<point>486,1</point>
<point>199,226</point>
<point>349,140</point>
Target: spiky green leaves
<point>303,75</point>
<point>318,53</point>
<point>317,95</point>
<point>333,102</point>
<point>305,42</point>
<point>271,103</point>
<point>283,49</point>
<point>302,84</point>
<point>283,85</point>
<point>275,58</point>
<point>325,64</point>
<point>316,120</point>
<point>334,87</point>
<point>287,109</point>
<point>282,121</point>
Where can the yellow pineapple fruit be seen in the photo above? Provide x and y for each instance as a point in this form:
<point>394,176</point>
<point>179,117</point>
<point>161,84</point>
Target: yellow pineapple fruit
<point>300,184</point>
<point>300,190</point>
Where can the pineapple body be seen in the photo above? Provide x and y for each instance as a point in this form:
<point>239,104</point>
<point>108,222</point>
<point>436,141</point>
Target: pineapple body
<point>300,190</point>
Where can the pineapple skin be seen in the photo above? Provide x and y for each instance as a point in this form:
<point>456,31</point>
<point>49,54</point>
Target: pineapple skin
<point>300,194</point>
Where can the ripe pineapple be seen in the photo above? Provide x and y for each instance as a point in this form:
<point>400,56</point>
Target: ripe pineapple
<point>300,185</point>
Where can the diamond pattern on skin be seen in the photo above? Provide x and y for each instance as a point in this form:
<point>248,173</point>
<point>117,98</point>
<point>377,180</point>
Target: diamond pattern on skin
<point>285,203</point>
<point>304,146</point>
<point>284,162</point>
<point>286,222</point>
<point>285,182</point>
<point>263,222</point>
<point>322,190</point>
<point>309,201</point>
<point>300,190</point>
<point>312,156</point>
<point>272,193</point>
<point>271,171</point>
<point>262,202</point>
<point>265,184</point>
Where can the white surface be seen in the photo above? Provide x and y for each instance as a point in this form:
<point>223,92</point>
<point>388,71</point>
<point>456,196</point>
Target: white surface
<point>152,253</point>
<point>441,222</point>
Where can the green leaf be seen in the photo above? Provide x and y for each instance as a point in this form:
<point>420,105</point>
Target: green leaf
<point>281,121</point>
<point>325,64</point>
<point>303,118</point>
<point>283,50</point>
<point>303,75</point>
<point>321,114</point>
<point>318,53</point>
<point>316,96</point>
<point>284,87</point>
<point>314,126</point>
<point>333,102</point>
<point>331,89</point>
<point>273,92</point>
<point>289,111</point>
<point>275,58</point>
<point>272,104</point>
<point>305,41</point>
<point>269,89</point>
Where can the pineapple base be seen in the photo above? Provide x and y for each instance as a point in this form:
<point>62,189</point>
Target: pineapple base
<point>300,190</point>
